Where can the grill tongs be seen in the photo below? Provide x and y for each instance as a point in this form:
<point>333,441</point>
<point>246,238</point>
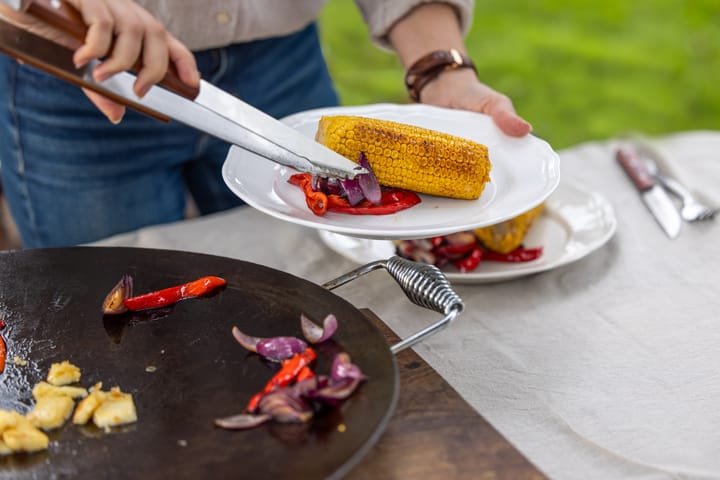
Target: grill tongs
<point>206,108</point>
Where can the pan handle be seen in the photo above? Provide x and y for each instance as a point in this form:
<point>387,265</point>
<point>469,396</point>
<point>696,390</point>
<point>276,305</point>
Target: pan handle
<point>425,285</point>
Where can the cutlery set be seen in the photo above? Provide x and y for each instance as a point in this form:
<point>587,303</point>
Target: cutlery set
<point>654,186</point>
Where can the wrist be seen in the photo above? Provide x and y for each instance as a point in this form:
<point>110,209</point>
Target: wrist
<point>429,68</point>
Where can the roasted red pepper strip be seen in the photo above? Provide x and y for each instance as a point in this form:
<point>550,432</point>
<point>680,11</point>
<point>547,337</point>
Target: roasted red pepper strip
<point>470,263</point>
<point>437,241</point>
<point>392,200</point>
<point>518,255</point>
<point>289,372</point>
<point>453,251</point>
<point>168,296</point>
<point>316,201</point>
<point>304,374</point>
<point>3,349</point>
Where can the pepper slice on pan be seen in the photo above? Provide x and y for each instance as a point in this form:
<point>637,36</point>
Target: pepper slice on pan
<point>291,369</point>
<point>168,296</point>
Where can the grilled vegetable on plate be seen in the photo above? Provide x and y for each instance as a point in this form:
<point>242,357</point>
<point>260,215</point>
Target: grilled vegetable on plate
<point>465,251</point>
<point>574,222</point>
<point>410,157</point>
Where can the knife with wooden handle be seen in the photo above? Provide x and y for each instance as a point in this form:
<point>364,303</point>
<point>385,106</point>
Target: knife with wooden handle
<point>207,108</point>
<point>653,195</point>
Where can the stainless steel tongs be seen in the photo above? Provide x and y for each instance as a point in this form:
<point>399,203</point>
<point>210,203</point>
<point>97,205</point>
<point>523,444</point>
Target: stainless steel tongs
<point>207,108</point>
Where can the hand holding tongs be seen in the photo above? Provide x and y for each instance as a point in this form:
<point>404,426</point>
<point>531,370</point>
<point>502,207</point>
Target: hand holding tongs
<point>207,108</point>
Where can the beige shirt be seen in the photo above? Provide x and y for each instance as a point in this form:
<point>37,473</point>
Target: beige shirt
<point>203,24</point>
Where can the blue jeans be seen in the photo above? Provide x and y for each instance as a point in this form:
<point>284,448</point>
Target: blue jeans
<point>72,177</point>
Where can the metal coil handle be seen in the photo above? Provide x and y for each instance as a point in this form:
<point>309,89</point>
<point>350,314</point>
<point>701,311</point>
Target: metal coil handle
<point>425,285</point>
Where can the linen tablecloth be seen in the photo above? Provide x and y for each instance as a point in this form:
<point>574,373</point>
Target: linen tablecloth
<point>608,367</point>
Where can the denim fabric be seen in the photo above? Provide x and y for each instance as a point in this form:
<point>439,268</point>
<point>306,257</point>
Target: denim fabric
<point>71,177</point>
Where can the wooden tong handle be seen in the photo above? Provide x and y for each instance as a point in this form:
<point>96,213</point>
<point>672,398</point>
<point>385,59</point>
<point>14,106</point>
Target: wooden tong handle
<point>68,20</point>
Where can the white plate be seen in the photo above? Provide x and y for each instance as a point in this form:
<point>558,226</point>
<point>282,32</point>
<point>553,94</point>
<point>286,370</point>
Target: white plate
<point>525,172</point>
<point>574,223</point>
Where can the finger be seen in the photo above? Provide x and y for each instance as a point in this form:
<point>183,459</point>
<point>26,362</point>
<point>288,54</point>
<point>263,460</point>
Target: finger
<point>112,110</point>
<point>129,35</point>
<point>154,54</point>
<point>501,109</point>
<point>98,39</point>
<point>511,123</point>
<point>184,61</point>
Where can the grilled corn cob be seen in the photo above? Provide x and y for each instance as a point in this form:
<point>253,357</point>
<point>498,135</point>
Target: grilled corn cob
<point>409,157</point>
<point>506,236</point>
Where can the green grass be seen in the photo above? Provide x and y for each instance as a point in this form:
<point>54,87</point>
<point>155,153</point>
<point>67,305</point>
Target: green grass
<point>577,70</point>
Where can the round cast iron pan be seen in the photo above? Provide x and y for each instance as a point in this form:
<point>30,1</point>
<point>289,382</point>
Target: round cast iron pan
<point>50,300</point>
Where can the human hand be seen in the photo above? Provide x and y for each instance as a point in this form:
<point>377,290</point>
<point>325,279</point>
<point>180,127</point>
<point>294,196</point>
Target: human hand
<point>461,89</point>
<point>123,34</point>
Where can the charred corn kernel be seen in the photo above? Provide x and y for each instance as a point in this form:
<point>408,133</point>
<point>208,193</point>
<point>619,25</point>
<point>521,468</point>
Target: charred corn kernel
<point>44,389</point>
<point>63,373</point>
<point>409,157</point>
<point>506,236</point>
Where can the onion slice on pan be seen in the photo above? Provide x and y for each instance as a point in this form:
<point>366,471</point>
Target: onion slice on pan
<point>242,421</point>
<point>247,341</point>
<point>342,369</point>
<point>280,348</point>
<point>271,348</point>
<point>113,303</point>
<point>314,333</point>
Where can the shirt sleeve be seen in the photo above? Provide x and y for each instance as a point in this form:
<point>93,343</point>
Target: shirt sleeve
<point>381,15</point>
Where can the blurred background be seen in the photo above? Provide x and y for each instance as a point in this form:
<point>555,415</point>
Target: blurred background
<point>578,70</point>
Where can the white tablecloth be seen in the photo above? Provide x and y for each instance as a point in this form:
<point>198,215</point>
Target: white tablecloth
<point>608,367</point>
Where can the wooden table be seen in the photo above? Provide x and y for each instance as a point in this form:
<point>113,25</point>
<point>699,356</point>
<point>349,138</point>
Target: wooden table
<point>435,434</point>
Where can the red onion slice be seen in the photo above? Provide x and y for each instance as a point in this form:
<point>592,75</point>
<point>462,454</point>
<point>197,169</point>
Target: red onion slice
<point>319,184</point>
<point>242,421</point>
<point>316,334</point>
<point>327,185</point>
<point>337,391</point>
<point>247,341</point>
<point>113,303</point>
<point>461,238</point>
<point>368,182</point>
<point>284,407</point>
<point>342,369</point>
<point>280,348</point>
<point>353,191</point>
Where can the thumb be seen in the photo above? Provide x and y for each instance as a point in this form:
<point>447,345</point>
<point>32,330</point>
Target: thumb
<point>501,109</point>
